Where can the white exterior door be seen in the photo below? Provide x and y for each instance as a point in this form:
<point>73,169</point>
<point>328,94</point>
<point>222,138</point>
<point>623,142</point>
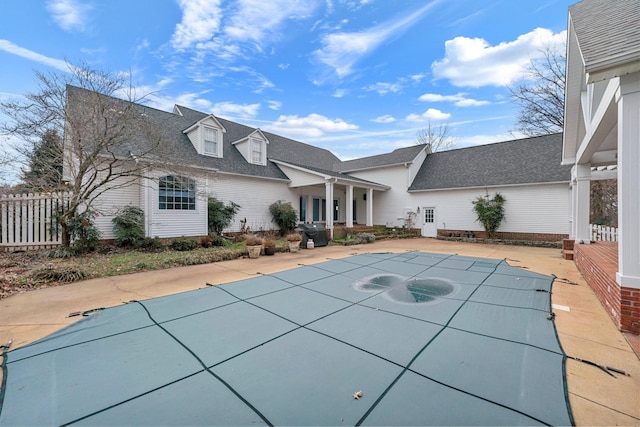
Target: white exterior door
<point>429,225</point>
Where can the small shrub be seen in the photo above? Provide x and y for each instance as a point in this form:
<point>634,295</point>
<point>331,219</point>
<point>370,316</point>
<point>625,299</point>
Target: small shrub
<point>284,215</point>
<point>253,240</point>
<point>206,242</point>
<point>64,274</point>
<point>217,240</point>
<point>61,252</point>
<point>128,227</point>
<point>152,244</point>
<point>83,232</point>
<point>183,244</point>
<point>365,237</point>
<point>219,215</point>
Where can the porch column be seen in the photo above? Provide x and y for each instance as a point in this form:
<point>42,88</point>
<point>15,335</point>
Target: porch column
<point>349,208</point>
<point>580,194</point>
<point>628,99</point>
<point>328,186</point>
<point>369,207</point>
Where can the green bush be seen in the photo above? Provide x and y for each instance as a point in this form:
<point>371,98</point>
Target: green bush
<point>83,232</point>
<point>152,244</point>
<point>128,227</point>
<point>284,216</point>
<point>489,212</point>
<point>219,215</point>
<point>183,244</point>
<point>58,274</point>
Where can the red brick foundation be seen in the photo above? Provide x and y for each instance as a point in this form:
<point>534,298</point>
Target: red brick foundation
<point>598,264</point>
<point>533,237</point>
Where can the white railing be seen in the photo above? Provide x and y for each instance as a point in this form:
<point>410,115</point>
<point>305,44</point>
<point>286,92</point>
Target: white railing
<point>603,233</point>
<point>28,221</point>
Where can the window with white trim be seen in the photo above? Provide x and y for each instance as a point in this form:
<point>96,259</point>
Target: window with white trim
<point>257,151</point>
<point>211,143</point>
<point>176,193</point>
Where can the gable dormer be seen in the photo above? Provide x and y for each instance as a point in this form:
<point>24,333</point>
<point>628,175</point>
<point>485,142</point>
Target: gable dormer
<point>253,147</point>
<point>206,136</point>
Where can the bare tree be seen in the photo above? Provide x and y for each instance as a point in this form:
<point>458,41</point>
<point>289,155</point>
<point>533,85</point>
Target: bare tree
<point>437,136</point>
<point>540,94</point>
<point>108,144</point>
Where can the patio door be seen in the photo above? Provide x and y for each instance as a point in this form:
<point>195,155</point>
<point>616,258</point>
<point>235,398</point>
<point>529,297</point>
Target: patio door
<point>429,225</point>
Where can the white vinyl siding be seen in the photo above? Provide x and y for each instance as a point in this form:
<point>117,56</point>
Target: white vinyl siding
<point>254,195</point>
<point>111,201</point>
<point>528,208</point>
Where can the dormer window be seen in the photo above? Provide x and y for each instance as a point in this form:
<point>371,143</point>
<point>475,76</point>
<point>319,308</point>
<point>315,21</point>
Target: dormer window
<point>257,151</point>
<point>211,144</point>
<point>206,136</point>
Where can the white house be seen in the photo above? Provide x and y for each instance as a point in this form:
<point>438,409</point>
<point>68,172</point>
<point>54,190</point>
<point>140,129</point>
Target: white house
<point>232,162</point>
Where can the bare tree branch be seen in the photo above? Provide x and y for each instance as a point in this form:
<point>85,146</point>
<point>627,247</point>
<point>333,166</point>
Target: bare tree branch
<point>438,137</point>
<point>107,142</point>
<point>540,95</point>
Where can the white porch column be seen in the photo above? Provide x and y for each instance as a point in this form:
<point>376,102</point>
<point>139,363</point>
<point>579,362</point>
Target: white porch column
<point>369,207</point>
<point>349,208</point>
<point>580,193</point>
<point>328,186</point>
<point>628,99</point>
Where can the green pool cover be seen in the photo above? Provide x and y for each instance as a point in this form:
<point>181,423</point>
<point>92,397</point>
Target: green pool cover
<point>419,338</point>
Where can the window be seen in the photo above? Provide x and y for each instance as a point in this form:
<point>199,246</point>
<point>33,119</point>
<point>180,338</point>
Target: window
<point>176,193</point>
<point>428,216</point>
<point>210,141</point>
<point>257,148</point>
<point>303,208</point>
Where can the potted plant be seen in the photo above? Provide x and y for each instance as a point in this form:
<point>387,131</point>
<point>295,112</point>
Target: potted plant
<point>269,245</point>
<point>254,245</point>
<point>294,241</point>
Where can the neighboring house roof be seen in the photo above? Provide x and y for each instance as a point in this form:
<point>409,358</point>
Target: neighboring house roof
<point>609,36</point>
<point>522,161</point>
<point>396,157</point>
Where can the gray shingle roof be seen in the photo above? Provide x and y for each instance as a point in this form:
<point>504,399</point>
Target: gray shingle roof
<point>608,30</point>
<point>396,157</point>
<point>522,161</point>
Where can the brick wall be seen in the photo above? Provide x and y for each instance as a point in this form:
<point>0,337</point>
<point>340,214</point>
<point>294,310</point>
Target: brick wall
<point>630,309</point>
<point>622,304</point>
<point>535,237</point>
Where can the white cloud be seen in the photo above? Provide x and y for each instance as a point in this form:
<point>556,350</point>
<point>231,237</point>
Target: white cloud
<point>259,20</point>
<point>70,15</point>
<point>14,49</point>
<point>200,21</point>
<point>473,62</point>
<point>274,105</point>
<point>430,114</point>
<point>473,140</point>
<point>313,125</point>
<point>341,51</point>
<point>384,119</point>
<point>459,99</point>
<point>229,109</point>
<point>339,93</point>
<point>384,88</point>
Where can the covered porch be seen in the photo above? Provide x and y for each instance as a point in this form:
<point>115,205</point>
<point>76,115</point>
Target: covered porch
<point>331,197</point>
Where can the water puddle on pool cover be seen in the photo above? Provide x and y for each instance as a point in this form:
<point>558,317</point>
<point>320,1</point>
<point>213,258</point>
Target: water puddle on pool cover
<point>405,290</point>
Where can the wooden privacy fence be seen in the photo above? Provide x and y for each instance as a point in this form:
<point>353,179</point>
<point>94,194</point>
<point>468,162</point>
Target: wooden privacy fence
<point>604,233</point>
<point>28,221</point>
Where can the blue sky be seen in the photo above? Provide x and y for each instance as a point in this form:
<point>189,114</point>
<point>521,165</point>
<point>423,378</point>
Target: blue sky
<point>358,77</point>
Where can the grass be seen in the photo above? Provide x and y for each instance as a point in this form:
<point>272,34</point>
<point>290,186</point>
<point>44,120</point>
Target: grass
<point>23,271</point>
